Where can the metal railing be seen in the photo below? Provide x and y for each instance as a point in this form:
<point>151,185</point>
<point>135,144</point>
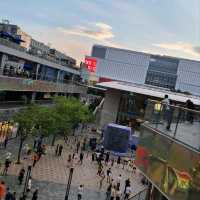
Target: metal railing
<point>139,196</point>
<point>12,45</point>
<point>180,123</point>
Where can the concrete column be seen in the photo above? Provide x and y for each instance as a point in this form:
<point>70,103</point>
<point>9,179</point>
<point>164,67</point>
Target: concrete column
<point>58,76</point>
<point>110,107</point>
<point>2,64</point>
<point>33,96</point>
<point>37,70</point>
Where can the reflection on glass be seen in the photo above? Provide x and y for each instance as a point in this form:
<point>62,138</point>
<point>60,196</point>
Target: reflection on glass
<point>171,166</point>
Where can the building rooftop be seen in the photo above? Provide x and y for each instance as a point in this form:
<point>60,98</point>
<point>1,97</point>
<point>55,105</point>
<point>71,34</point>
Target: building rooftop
<point>145,53</point>
<point>150,91</point>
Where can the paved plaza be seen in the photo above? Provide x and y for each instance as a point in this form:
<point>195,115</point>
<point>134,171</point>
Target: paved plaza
<point>50,175</point>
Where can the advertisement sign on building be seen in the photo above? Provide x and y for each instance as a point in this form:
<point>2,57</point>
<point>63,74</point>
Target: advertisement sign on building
<point>91,64</point>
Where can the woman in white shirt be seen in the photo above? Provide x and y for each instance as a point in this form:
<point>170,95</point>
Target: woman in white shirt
<point>128,192</point>
<point>29,184</point>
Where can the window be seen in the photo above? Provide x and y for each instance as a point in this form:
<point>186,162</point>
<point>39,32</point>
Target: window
<point>98,52</point>
<point>162,72</point>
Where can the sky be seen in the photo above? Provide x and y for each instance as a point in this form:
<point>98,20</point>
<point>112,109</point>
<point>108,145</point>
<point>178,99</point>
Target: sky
<point>167,27</point>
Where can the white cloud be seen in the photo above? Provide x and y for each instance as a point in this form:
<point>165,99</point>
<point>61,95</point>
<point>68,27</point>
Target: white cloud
<point>181,47</point>
<point>98,31</point>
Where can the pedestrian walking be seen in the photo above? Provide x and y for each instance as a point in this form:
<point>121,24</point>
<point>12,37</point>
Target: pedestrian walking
<point>81,158</point>
<point>109,175</point>
<point>21,176</point>
<point>127,193</point>
<point>78,146</point>
<point>69,160</point>
<point>60,150</point>
<point>119,178</point>
<point>14,196</point>
<point>127,184</point>
<point>108,192</point>
<point>80,192</point>
<point>29,185</point>
<point>113,193</point>
<point>5,142</point>
<point>190,114</point>
<point>35,159</point>
<point>118,160</point>
<point>100,168</point>
<point>107,158</point>
<point>57,148</point>
<point>118,194</point>
<point>35,143</point>
<point>112,162</point>
<point>9,195</point>
<point>39,143</point>
<point>35,195</point>
<point>39,154</point>
<point>6,166</point>
<point>102,177</point>
<point>2,190</point>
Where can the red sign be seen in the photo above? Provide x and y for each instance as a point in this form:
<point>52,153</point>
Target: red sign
<point>91,64</point>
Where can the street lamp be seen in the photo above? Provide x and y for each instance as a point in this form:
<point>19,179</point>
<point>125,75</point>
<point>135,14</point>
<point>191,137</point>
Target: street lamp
<point>69,183</point>
<point>26,180</point>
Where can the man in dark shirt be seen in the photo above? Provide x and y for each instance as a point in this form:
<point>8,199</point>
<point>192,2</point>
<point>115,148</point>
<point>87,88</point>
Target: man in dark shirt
<point>9,195</point>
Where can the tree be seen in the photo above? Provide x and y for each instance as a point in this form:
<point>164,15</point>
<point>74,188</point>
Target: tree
<point>72,112</point>
<point>27,120</point>
<point>62,117</point>
<point>51,122</point>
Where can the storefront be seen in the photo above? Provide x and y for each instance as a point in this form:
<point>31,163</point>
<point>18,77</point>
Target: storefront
<point>7,130</point>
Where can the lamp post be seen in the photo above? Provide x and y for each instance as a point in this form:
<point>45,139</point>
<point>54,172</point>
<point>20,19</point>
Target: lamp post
<point>69,183</point>
<point>26,180</point>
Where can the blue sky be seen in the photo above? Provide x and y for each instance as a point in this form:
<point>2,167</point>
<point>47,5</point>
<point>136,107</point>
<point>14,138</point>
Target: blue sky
<point>170,27</point>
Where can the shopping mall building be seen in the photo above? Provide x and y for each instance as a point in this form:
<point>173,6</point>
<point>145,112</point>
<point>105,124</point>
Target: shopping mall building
<point>136,82</point>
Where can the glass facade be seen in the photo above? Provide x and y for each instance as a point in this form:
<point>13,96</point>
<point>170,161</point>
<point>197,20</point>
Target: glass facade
<point>48,73</point>
<point>131,106</point>
<point>174,168</point>
<point>162,72</point>
<point>98,52</point>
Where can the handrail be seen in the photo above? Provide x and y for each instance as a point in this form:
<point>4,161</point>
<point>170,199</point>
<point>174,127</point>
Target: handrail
<point>175,122</point>
<point>176,106</point>
<point>137,195</point>
<point>98,107</point>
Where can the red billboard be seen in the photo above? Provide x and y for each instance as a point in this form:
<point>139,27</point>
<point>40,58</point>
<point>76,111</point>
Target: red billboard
<point>91,64</point>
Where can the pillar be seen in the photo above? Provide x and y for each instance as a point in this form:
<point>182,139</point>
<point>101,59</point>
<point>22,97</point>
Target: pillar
<point>37,70</point>
<point>58,76</point>
<point>33,96</point>
<point>110,107</point>
<point>2,64</point>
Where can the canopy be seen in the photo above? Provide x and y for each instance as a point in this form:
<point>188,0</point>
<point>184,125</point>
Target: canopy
<point>150,91</point>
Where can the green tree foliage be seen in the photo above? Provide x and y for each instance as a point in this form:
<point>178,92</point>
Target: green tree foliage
<point>62,117</point>
<point>27,120</point>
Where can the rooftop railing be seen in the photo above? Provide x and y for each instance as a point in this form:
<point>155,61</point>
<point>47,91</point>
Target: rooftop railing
<point>13,45</point>
<point>180,123</point>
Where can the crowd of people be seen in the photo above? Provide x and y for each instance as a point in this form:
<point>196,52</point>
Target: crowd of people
<point>115,187</point>
<point>35,154</point>
<point>105,162</point>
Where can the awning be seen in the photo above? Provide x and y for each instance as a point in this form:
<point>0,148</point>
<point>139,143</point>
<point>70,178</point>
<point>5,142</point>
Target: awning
<point>150,91</point>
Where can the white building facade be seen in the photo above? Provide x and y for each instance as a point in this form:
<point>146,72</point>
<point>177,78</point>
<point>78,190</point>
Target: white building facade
<point>175,74</point>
